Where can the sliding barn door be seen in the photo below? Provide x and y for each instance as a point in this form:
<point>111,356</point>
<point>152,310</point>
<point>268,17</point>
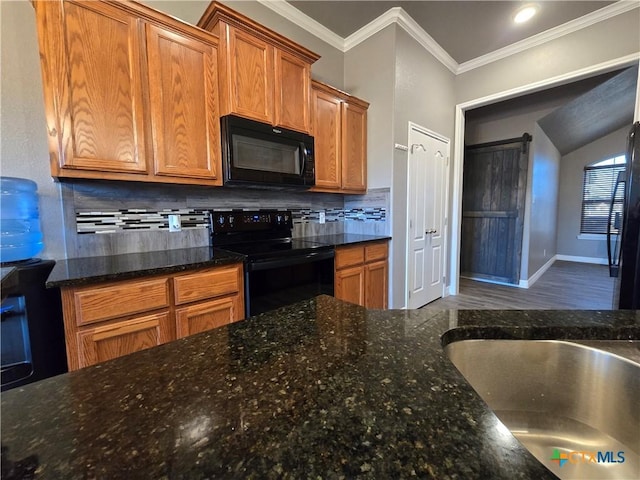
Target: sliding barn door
<point>493,200</point>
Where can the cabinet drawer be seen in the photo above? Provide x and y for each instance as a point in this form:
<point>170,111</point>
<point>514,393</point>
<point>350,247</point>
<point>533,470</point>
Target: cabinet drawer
<point>207,284</point>
<point>348,256</point>
<point>119,299</point>
<point>376,251</point>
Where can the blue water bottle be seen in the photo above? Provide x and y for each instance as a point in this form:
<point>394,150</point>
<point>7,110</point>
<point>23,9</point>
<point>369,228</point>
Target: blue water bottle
<point>20,235</point>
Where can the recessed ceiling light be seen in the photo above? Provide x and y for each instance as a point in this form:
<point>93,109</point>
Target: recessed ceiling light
<point>525,13</point>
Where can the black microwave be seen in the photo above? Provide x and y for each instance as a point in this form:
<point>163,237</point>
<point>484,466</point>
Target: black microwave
<point>258,154</point>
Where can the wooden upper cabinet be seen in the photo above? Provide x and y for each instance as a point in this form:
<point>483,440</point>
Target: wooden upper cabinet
<point>184,113</point>
<point>354,147</point>
<point>264,76</point>
<point>292,80</point>
<point>90,54</point>
<point>130,93</point>
<point>339,126</point>
<point>249,82</point>
<point>326,113</point>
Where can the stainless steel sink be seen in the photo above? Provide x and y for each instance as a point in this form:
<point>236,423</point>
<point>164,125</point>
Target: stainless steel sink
<point>562,400</point>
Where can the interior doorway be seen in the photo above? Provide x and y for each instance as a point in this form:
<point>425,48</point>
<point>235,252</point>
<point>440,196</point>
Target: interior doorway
<point>428,178</point>
<point>459,139</point>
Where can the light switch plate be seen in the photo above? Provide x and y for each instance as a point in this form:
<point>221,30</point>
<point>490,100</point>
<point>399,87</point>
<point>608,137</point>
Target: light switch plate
<point>321,216</point>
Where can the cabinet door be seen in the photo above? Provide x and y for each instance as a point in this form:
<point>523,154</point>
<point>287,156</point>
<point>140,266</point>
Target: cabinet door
<point>292,84</point>
<point>184,106</point>
<point>354,148</point>
<point>249,86</point>
<point>349,285</point>
<point>376,279</point>
<point>326,127</point>
<point>105,342</point>
<point>204,316</point>
<point>90,56</point>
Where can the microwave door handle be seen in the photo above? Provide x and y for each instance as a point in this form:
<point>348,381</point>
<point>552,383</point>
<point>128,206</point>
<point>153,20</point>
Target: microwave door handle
<point>303,158</point>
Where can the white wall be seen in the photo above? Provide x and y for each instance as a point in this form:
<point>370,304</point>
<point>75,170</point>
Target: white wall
<point>424,94</point>
<point>544,167</point>
<point>570,199</point>
<point>369,73</point>
<point>23,150</point>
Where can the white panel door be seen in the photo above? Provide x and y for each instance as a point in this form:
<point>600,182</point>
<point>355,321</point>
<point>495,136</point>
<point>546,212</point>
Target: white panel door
<point>428,173</point>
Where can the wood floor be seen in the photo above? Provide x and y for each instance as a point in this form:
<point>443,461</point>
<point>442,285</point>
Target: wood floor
<point>565,286</point>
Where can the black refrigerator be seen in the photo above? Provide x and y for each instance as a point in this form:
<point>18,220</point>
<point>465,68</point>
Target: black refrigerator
<point>623,232</point>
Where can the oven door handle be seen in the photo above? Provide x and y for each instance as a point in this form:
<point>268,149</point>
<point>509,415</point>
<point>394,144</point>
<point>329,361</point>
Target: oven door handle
<point>255,266</point>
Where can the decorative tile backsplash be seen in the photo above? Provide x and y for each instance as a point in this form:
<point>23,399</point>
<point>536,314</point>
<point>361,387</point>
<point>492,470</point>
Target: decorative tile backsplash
<point>136,219</point>
<point>110,218</point>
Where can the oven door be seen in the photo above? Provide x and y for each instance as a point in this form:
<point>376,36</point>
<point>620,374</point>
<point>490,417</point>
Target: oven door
<point>276,282</point>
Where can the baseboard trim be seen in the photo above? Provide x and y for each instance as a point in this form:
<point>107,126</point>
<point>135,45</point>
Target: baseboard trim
<point>573,258</point>
<point>536,276</point>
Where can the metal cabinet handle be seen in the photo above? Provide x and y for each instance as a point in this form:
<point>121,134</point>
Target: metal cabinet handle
<point>428,232</point>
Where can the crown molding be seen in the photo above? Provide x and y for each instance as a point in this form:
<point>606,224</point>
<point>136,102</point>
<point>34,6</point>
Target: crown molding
<point>397,15</point>
<point>288,11</point>
<point>592,18</point>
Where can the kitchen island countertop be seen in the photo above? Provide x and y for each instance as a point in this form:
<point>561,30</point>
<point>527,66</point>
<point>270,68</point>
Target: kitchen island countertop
<point>319,389</point>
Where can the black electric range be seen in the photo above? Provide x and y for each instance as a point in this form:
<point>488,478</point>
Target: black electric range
<point>279,270</point>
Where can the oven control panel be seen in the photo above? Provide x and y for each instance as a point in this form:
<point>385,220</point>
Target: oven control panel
<point>247,221</point>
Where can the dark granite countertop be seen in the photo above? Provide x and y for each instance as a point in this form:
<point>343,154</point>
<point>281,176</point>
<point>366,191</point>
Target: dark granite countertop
<point>319,389</point>
<point>338,239</point>
<point>82,271</point>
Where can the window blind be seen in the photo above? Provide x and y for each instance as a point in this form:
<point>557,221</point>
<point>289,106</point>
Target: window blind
<point>597,190</point>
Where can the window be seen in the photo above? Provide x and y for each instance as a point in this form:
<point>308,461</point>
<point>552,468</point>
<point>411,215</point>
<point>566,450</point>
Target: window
<point>599,181</point>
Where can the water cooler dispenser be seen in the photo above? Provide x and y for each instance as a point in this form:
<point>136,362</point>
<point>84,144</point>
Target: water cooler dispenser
<point>31,328</point>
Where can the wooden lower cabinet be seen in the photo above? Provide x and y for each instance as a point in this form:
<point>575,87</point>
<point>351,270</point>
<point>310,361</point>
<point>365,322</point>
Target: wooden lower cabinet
<point>112,319</point>
<point>376,276</point>
<point>361,274</point>
<point>99,344</point>
<point>207,315</point>
<point>349,285</point>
